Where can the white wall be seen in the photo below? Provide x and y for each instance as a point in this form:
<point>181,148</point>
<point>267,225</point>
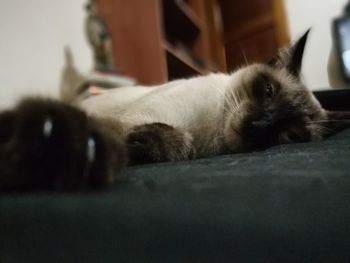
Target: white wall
<point>317,14</point>
<point>33,35</point>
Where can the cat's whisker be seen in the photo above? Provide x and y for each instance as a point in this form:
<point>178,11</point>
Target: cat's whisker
<point>218,89</point>
<point>237,98</point>
<point>244,55</point>
<point>232,102</point>
<point>229,100</point>
<point>241,97</point>
<point>231,111</point>
<point>321,129</point>
<point>328,121</point>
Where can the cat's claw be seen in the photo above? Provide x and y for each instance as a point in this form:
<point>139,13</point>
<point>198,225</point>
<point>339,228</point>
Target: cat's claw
<point>49,145</point>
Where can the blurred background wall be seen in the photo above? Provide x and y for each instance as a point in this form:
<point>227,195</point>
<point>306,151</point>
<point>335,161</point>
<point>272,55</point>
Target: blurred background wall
<point>33,36</point>
<point>318,15</point>
<point>35,32</point>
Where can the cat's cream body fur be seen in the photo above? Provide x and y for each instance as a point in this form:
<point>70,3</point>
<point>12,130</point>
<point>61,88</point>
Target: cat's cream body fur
<point>195,105</point>
<point>210,109</point>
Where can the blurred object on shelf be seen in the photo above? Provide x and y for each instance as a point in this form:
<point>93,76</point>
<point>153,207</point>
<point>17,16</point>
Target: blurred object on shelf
<point>76,86</point>
<point>99,39</point>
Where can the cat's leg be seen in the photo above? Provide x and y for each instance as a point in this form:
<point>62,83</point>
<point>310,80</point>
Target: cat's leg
<point>158,142</point>
<point>49,145</point>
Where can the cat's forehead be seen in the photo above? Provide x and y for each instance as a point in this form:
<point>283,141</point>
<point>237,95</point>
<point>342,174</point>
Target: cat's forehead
<point>248,77</point>
<point>250,73</point>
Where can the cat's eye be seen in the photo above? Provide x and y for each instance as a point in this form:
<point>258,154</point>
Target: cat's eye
<point>269,90</point>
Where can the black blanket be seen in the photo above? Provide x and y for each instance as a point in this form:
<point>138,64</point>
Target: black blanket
<point>290,203</point>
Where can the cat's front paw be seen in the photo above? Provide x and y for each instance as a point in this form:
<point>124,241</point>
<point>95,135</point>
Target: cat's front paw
<point>158,142</point>
<point>49,145</point>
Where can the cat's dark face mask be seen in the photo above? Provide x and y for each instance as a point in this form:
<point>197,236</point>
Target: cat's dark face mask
<point>267,104</point>
<point>277,112</point>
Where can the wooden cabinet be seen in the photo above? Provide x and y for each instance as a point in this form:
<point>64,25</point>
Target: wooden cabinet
<point>253,30</point>
<point>158,40</point>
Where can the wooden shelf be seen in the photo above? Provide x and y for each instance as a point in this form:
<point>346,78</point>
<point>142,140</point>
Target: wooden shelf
<point>253,32</point>
<point>184,37</point>
<point>158,40</point>
<point>258,24</point>
<point>184,7</point>
<point>179,24</point>
<point>177,69</point>
<point>180,57</point>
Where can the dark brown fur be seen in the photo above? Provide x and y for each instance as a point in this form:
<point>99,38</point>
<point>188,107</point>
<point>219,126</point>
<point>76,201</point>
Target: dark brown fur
<point>158,142</point>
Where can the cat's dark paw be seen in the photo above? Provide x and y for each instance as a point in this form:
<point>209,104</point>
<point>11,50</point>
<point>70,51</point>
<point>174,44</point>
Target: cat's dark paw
<point>49,145</point>
<point>158,142</point>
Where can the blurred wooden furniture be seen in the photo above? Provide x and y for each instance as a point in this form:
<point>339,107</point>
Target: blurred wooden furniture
<point>158,40</point>
<point>253,30</point>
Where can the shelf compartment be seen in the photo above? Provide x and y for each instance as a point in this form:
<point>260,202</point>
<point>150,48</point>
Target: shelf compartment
<point>181,59</point>
<point>180,25</point>
<point>185,6</point>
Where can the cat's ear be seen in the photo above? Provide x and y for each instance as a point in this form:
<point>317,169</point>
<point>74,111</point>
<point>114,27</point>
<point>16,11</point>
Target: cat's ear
<point>291,58</point>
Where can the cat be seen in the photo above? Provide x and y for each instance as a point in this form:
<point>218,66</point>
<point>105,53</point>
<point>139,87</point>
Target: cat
<point>50,145</point>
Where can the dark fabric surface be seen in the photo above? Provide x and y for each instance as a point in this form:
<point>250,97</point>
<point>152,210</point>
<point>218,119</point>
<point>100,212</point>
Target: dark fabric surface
<point>290,203</point>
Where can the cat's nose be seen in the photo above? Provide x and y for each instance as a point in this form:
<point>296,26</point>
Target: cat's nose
<point>261,130</point>
<point>263,122</point>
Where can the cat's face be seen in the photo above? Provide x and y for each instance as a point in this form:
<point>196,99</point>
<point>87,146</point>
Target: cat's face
<point>267,104</point>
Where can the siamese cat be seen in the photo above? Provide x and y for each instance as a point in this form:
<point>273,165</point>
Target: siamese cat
<point>48,145</point>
